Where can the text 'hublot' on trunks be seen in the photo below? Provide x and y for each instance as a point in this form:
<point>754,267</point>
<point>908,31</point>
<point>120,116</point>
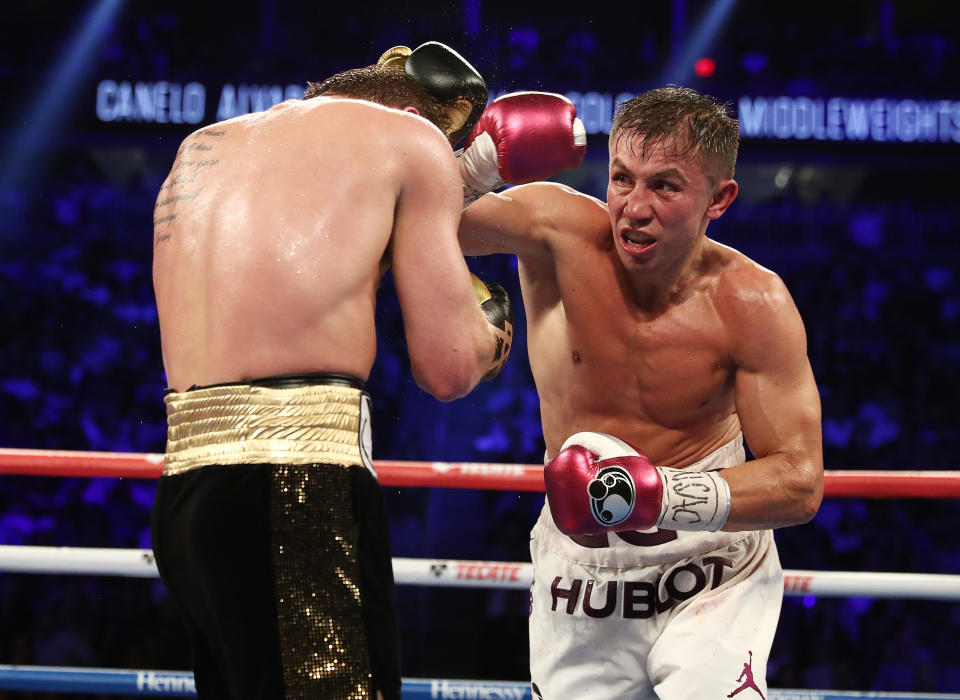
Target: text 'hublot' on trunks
<point>619,616</point>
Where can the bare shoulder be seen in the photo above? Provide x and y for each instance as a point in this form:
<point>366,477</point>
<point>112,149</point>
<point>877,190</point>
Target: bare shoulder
<point>744,285</point>
<point>222,128</point>
<point>376,120</point>
<point>417,142</point>
<point>400,123</point>
<point>756,306</point>
<point>408,142</point>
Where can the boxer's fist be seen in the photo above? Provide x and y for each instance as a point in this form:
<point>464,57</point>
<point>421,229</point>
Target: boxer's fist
<point>598,483</point>
<point>495,303</point>
<point>521,137</point>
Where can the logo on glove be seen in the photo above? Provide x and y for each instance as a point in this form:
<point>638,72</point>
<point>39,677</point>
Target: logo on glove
<point>612,495</point>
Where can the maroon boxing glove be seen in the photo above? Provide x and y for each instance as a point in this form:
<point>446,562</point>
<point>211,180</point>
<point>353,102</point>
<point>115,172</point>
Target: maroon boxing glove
<point>589,495</point>
<point>598,483</point>
<point>521,137</point>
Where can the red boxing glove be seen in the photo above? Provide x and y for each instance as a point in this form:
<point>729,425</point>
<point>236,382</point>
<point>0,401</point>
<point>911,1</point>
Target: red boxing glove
<point>521,137</point>
<point>598,483</point>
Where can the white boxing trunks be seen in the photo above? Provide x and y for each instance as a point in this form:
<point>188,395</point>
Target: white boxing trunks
<point>668,615</point>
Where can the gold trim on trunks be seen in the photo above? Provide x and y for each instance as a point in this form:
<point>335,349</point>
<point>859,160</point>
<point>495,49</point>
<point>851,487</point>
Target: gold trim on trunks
<point>244,424</point>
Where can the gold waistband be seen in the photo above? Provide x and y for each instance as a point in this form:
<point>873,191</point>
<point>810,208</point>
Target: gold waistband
<point>243,424</point>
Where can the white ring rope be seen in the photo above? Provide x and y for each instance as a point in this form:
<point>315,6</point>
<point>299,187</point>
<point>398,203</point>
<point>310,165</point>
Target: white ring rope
<point>465,573</point>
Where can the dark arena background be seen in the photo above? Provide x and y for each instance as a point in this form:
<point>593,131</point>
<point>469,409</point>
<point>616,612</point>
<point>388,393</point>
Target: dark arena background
<point>849,189</point>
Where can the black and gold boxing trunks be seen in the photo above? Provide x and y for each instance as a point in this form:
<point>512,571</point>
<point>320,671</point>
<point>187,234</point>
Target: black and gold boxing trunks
<point>270,534</point>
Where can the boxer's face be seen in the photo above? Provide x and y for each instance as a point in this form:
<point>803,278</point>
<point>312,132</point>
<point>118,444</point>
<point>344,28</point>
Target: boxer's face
<point>658,203</point>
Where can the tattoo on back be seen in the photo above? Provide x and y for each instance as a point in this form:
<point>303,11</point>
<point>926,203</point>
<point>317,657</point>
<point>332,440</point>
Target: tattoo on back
<point>179,190</point>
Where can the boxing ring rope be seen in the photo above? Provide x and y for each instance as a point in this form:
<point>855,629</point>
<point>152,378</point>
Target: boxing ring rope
<point>463,475</point>
<point>464,573</point>
<point>140,563</point>
<point>117,681</point>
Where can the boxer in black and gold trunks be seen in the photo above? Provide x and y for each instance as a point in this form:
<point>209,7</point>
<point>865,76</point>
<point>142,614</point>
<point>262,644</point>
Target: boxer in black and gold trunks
<point>270,533</point>
<point>270,236</point>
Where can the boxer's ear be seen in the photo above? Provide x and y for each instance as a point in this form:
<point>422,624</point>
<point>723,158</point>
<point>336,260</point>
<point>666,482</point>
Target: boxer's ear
<point>723,195</point>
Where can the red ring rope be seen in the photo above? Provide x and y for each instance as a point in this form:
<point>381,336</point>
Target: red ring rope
<point>463,475</point>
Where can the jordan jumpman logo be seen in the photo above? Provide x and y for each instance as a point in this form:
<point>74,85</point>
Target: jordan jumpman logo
<point>747,677</point>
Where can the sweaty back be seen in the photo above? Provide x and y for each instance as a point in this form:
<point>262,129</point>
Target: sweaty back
<point>268,235</point>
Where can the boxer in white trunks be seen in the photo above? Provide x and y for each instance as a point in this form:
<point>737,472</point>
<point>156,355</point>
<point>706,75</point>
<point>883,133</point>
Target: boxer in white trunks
<point>656,351</point>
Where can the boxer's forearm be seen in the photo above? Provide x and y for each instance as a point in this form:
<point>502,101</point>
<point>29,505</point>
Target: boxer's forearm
<point>777,490</point>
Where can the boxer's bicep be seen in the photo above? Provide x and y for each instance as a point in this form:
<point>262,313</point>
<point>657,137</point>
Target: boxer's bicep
<point>776,395</point>
<point>779,411</point>
<point>778,405</point>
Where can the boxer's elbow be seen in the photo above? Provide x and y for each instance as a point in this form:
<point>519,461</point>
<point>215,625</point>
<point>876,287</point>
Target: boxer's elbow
<point>804,487</point>
<point>808,507</point>
<point>446,392</point>
<point>448,380</point>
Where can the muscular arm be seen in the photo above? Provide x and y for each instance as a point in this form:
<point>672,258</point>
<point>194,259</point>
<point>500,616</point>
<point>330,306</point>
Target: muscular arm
<point>511,222</point>
<point>779,409</point>
<point>447,336</point>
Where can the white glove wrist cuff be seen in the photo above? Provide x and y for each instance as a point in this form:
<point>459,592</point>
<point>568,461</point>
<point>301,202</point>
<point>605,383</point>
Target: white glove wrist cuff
<point>693,500</point>
<point>479,168</point>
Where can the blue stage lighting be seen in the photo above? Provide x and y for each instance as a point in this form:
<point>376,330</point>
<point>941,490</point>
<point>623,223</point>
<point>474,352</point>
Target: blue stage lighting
<point>51,105</point>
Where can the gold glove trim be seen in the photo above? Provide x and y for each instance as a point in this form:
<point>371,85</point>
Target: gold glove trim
<point>458,113</point>
<point>397,57</point>
<point>243,424</point>
<point>480,289</point>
